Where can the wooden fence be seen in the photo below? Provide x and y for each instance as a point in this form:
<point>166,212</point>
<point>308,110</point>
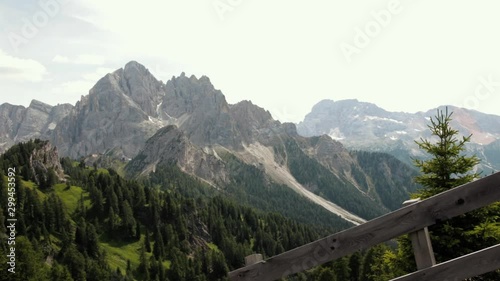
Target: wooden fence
<point>413,218</point>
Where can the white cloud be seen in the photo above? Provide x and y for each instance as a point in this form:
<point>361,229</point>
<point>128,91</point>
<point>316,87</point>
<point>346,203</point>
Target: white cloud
<point>73,88</point>
<point>60,59</point>
<point>85,59</point>
<point>98,74</point>
<point>80,87</point>
<point>20,70</point>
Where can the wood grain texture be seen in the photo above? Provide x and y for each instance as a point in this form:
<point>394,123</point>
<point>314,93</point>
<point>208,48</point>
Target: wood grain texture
<point>411,218</point>
<point>460,268</point>
<point>422,248</point>
<point>421,243</point>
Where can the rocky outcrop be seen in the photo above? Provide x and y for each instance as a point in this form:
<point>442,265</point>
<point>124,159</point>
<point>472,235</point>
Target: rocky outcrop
<point>252,122</point>
<point>36,121</point>
<point>169,146</point>
<point>44,163</point>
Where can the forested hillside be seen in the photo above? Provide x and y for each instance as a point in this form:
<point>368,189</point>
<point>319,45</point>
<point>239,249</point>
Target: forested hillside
<point>321,181</point>
<point>388,181</point>
<point>95,225</point>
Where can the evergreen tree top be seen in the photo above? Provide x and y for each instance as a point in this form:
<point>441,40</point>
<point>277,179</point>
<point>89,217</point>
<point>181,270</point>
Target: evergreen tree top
<point>448,165</point>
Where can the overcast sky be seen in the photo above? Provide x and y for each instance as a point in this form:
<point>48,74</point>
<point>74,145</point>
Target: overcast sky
<point>283,55</point>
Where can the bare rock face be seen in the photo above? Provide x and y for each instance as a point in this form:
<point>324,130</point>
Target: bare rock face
<point>142,87</point>
<point>22,124</point>
<point>45,159</point>
<point>331,154</point>
<point>11,116</point>
<point>200,111</point>
<point>34,119</point>
<point>169,146</point>
<point>253,122</point>
<point>119,112</point>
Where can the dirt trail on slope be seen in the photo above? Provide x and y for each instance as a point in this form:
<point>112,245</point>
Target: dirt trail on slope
<point>257,153</point>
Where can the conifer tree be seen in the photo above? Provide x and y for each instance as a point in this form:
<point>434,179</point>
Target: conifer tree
<point>3,229</point>
<point>341,268</point>
<point>159,246</point>
<point>147,241</point>
<point>355,266</point>
<point>143,263</point>
<point>128,220</point>
<point>327,275</point>
<point>29,263</point>
<point>92,241</point>
<point>59,273</point>
<point>449,167</point>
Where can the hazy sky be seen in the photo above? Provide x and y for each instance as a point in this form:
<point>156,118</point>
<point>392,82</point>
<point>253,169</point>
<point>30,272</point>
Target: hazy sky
<point>284,56</point>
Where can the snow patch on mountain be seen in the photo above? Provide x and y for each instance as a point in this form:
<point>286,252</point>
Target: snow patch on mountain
<point>336,134</point>
<point>52,126</point>
<point>368,117</point>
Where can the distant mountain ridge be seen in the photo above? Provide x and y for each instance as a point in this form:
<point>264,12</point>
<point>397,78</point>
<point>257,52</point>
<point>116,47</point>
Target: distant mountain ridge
<point>365,126</point>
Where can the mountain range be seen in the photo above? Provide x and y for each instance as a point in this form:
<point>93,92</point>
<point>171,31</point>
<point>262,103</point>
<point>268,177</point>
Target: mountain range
<point>147,127</point>
<point>365,126</point>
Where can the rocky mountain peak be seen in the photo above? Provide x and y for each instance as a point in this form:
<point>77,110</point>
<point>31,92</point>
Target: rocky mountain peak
<point>250,114</point>
<point>121,111</point>
<point>142,87</point>
<point>290,129</point>
<point>333,108</point>
<point>40,106</point>
<point>199,109</point>
<point>134,66</point>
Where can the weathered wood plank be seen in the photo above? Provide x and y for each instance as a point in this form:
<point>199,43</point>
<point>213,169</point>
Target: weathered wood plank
<point>421,243</point>
<point>460,268</point>
<point>411,218</point>
<point>422,248</point>
<point>253,259</point>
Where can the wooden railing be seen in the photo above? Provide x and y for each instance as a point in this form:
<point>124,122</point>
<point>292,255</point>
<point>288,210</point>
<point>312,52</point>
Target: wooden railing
<point>413,218</point>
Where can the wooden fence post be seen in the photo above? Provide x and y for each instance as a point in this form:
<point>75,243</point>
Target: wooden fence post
<point>421,242</point>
